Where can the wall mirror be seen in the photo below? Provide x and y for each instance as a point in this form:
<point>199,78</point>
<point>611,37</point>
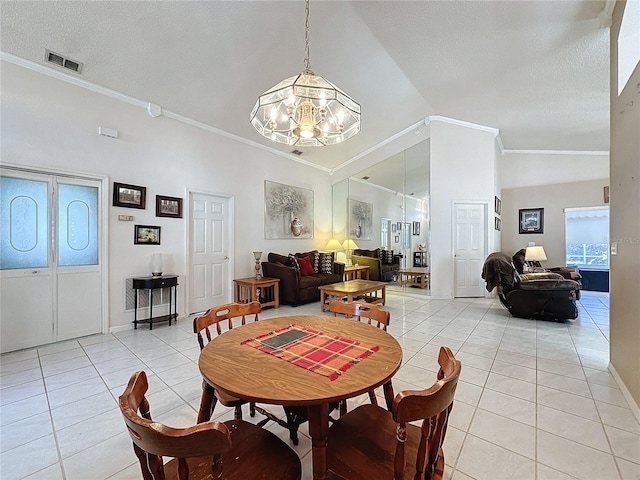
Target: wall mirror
<point>387,206</point>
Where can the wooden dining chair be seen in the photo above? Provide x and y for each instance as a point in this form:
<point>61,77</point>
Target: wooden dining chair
<point>203,326</point>
<point>370,442</point>
<point>233,450</point>
<point>374,315</point>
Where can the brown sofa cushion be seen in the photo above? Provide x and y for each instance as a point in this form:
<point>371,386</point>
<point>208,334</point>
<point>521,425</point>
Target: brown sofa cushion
<point>277,258</point>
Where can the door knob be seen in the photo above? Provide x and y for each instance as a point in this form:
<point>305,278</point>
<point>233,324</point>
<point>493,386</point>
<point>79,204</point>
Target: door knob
<point>226,258</point>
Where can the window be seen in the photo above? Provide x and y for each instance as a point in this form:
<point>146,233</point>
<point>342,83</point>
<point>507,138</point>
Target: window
<point>587,237</point>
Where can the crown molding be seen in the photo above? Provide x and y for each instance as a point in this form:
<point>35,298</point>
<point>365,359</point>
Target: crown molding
<point>79,82</point>
<point>593,153</point>
<point>461,123</point>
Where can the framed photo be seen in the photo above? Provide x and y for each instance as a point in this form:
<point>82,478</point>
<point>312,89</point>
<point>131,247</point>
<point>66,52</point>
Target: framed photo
<point>497,205</point>
<point>168,207</point>
<point>606,194</point>
<point>130,196</point>
<point>360,220</point>
<point>416,228</point>
<point>531,220</point>
<point>497,223</point>
<point>397,238</point>
<point>146,235</point>
<point>399,226</point>
<point>394,228</point>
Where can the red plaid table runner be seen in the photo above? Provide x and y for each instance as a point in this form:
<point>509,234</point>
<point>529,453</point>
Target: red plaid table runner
<point>308,348</point>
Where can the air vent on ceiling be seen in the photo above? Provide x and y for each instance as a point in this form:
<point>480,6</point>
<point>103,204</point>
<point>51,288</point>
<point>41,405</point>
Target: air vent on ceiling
<point>63,62</point>
<point>366,177</point>
<point>296,152</point>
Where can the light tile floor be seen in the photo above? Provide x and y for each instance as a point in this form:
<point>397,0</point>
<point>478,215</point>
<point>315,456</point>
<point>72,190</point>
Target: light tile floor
<point>535,399</point>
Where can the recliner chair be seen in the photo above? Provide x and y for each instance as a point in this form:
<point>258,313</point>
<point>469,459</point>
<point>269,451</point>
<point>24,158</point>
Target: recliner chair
<point>540,296</point>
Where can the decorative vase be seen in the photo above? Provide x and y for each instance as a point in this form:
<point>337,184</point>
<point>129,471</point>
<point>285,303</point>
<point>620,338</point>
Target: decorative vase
<point>358,231</point>
<point>296,227</point>
<point>156,265</point>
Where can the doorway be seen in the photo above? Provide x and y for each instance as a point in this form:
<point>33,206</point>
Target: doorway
<point>51,265</point>
<point>210,250</point>
<point>469,248</point>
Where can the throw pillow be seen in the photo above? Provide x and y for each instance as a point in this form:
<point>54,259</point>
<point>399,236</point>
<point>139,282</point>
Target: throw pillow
<point>388,257</point>
<point>380,254</point>
<point>326,263</point>
<point>305,266</point>
<point>316,262</point>
<point>293,262</point>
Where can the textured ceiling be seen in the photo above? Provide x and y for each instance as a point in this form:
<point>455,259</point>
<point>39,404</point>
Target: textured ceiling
<point>536,70</point>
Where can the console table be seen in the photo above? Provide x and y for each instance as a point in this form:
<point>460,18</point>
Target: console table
<point>152,283</point>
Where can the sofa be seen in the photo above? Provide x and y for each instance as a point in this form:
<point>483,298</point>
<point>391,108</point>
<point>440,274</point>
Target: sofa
<point>301,274</point>
<point>540,296</point>
<point>383,265</point>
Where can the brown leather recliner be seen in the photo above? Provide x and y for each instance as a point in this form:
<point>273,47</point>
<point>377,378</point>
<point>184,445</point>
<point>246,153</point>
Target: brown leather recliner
<point>541,296</point>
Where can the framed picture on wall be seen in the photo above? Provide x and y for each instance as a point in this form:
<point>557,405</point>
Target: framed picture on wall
<point>394,228</point>
<point>397,239</point>
<point>130,196</point>
<point>146,235</point>
<point>497,224</point>
<point>168,206</point>
<point>531,220</point>
<point>399,226</point>
<point>497,205</point>
<point>416,228</point>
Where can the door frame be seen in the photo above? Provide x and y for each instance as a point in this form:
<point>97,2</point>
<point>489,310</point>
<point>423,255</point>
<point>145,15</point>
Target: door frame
<point>187,254</point>
<point>103,237</point>
<point>487,210</point>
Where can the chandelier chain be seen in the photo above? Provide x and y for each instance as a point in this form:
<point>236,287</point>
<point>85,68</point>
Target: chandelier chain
<point>307,63</point>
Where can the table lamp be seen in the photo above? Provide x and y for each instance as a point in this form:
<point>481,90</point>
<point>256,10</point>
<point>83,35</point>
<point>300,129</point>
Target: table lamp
<point>333,245</point>
<point>349,245</point>
<point>257,256</point>
<point>535,255</point>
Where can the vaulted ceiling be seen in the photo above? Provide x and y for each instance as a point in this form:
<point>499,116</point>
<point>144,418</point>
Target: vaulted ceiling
<point>536,70</point>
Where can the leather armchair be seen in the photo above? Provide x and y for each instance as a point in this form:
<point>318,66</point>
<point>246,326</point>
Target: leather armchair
<point>541,296</point>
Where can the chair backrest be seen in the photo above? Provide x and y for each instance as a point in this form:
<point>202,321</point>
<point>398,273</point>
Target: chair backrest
<point>217,315</point>
<point>432,406</point>
<point>152,440</point>
<point>370,311</point>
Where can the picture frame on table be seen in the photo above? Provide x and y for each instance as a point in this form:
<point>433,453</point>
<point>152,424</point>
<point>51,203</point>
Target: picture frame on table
<point>168,206</point>
<point>129,196</point>
<point>146,235</point>
<point>531,220</point>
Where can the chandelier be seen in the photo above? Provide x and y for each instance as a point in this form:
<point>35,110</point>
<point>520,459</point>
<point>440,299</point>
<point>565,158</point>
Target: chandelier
<point>306,110</point>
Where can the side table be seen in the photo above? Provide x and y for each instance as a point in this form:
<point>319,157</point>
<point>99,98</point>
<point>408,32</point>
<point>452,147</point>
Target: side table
<point>264,290</point>
<point>152,283</point>
<point>356,272</point>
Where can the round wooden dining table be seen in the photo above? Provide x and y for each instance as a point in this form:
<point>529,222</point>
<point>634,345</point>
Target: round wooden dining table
<point>253,375</point>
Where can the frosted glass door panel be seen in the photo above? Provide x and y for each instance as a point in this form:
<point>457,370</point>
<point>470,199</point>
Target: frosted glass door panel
<point>24,224</point>
<point>77,225</point>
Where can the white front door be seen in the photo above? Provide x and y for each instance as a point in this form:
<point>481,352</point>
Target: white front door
<point>50,259</point>
<point>209,251</point>
<point>469,248</point>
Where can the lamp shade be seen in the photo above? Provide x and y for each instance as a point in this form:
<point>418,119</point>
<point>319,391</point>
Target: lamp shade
<point>333,244</point>
<point>535,254</point>
<point>349,245</point>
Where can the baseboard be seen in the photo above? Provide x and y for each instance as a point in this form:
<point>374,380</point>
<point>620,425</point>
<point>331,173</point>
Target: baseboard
<point>635,409</point>
<point>120,328</point>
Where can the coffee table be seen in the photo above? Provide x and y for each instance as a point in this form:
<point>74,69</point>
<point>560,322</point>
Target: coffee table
<point>415,277</point>
<point>367,289</point>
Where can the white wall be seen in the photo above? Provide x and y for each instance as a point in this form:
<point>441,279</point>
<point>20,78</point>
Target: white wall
<point>462,170</point>
<point>554,199</point>
<point>50,124</point>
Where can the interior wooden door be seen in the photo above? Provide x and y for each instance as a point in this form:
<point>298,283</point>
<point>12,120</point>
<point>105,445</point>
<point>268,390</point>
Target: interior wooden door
<point>469,237</point>
<point>209,251</point>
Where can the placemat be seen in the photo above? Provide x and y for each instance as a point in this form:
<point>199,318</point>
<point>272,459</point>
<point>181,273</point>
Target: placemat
<point>327,355</point>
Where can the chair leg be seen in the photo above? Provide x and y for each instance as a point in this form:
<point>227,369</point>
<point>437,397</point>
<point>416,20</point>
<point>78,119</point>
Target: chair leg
<point>252,409</point>
<point>372,397</point>
<point>343,407</point>
<point>388,394</point>
<point>207,403</point>
<point>238,413</point>
<point>292,425</point>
